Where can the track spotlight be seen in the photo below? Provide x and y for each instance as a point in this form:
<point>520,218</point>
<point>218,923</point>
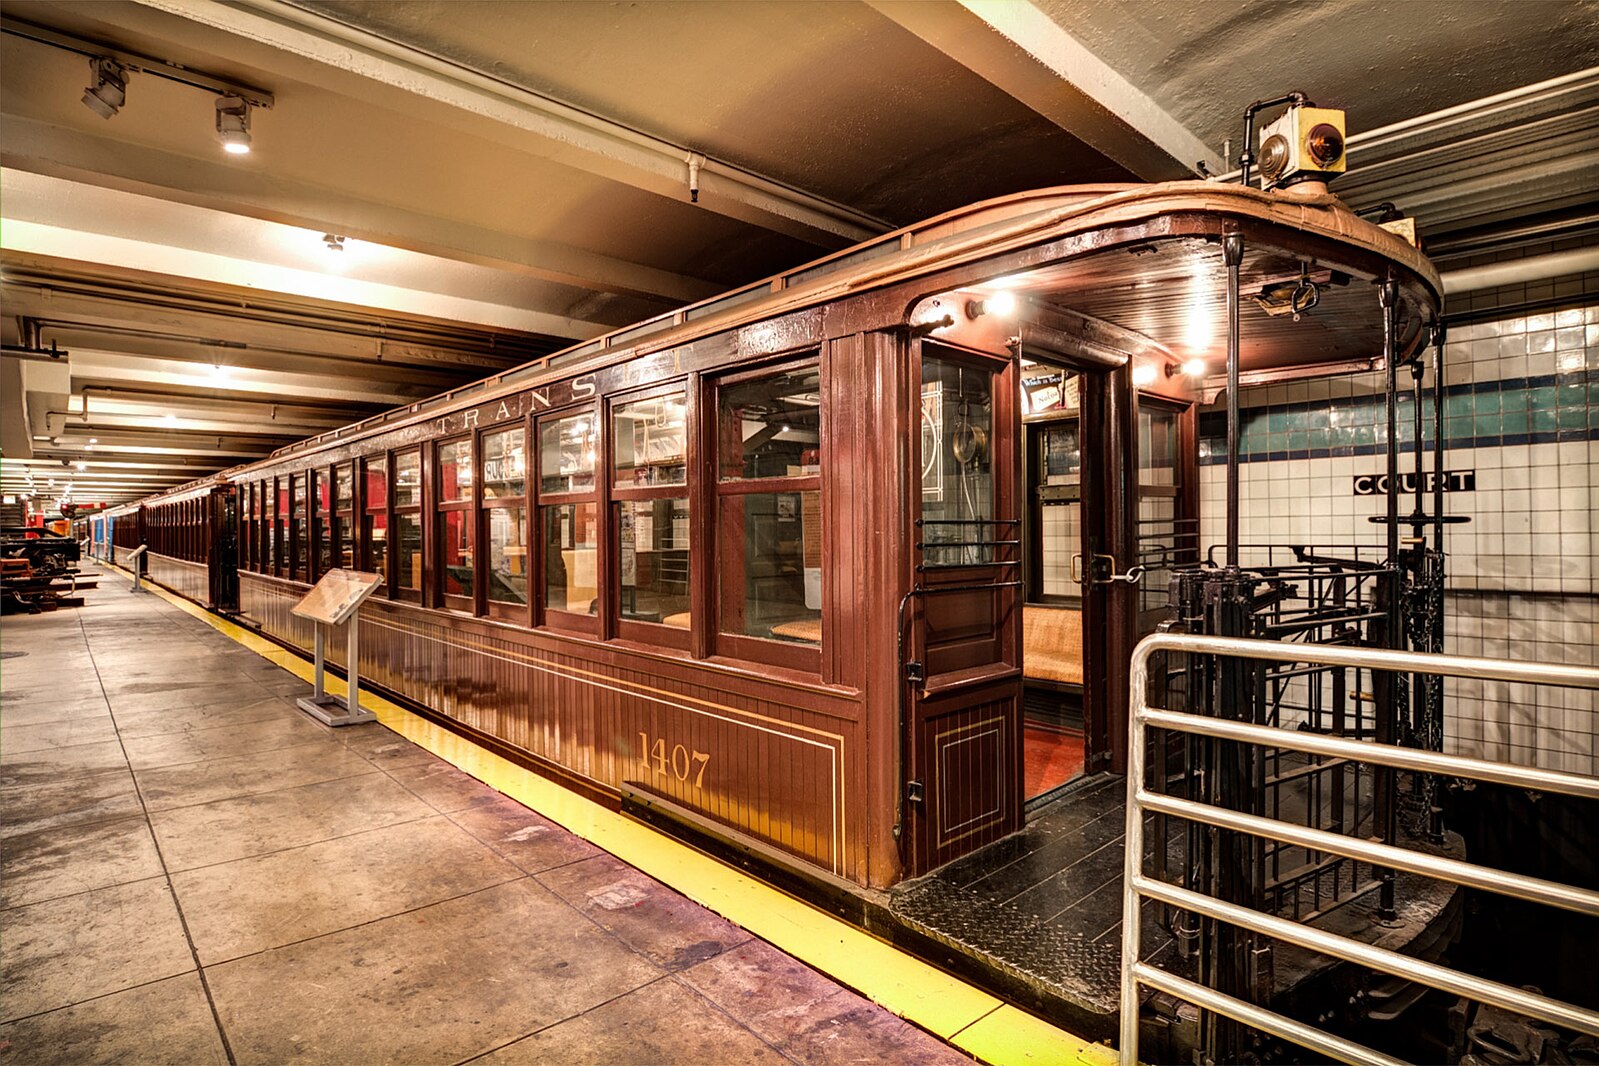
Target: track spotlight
<point>109,90</point>
<point>233,124</point>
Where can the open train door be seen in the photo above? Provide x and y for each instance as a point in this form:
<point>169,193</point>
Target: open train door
<point>961,619</point>
<point>965,726</point>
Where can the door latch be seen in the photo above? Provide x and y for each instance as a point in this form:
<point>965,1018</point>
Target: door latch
<point>1102,571</point>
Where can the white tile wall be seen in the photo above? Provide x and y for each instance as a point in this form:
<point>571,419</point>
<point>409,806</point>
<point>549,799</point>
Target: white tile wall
<point>1062,538</point>
<point>1523,574</point>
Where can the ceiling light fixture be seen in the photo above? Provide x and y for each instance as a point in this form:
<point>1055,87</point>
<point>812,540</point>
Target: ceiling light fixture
<point>170,420</point>
<point>1002,304</point>
<point>82,465</point>
<point>1194,368</point>
<point>233,124</point>
<point>109,91</point>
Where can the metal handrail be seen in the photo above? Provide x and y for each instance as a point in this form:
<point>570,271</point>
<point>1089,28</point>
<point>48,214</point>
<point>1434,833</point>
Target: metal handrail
<point>1135,973</point>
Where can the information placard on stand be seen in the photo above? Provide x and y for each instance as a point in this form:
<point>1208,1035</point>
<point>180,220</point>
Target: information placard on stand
<point>336,600</point>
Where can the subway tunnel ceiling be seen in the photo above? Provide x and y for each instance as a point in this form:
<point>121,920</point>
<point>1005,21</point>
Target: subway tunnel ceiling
<point>509,178</point>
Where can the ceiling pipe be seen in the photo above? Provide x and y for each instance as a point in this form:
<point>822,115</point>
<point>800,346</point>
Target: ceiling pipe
<point>1522,271</point>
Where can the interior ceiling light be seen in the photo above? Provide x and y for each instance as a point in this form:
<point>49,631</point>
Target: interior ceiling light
<point>109,90</point>
<point>1194,368</point>
<point>82,465</point>
<point>170,420</point>
<point>233,124</point>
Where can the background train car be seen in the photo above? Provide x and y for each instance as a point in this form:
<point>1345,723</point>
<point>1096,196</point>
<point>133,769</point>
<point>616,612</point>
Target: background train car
<point>125,532</point>
<point>192,537</point>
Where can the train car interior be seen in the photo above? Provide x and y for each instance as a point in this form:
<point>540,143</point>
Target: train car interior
<point>1052,616</point>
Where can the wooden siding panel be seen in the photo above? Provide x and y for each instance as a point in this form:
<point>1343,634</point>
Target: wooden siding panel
<point>735,750</point>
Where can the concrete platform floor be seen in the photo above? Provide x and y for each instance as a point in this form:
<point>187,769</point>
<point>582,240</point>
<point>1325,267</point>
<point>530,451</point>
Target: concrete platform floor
<point>192,871</point>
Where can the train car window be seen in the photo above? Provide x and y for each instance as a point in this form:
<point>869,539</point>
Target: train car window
<point>567,454</point>
<point>246,525</point>
<point>771,426</point>
<point>408,479</point>
<point>407,519</point>
<point>569,518</point>
<point>299,532</point>
<point>505,464</point>
<point>281,524</point>
<point>957,405</point>
<point>259,535</point>
<point>342,533</point>
<point>455,471</point>
<point>505,521</point>
<point>322,522</point>
<point>375,519</point>
<point>769,521</point>
<point>571,544</point>
<point>649,493</point>
<point>268,546</point>
<point>456,562</point>
<point>1166,536</point>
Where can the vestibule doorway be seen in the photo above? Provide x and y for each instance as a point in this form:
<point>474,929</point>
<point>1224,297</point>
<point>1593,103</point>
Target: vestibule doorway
<point>1053,735</point>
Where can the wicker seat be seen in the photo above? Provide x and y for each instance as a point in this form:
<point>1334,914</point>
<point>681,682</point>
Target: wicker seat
<point>1052,644</point>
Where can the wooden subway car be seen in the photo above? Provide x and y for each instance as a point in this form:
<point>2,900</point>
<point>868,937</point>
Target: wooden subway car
<point>762,560</point>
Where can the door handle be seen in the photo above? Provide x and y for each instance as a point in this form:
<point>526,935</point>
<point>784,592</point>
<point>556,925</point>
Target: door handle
<point>1102,571</point>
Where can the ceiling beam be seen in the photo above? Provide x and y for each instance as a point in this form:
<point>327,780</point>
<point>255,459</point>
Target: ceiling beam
<point>152,362</point>
<point>1016,47</point>
<point>547,127</point>
<point>120,252</point>
<point>48,158</point>
<point>227,332</point>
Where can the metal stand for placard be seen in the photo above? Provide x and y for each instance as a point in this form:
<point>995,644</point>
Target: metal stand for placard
<point>335,600</point>
<point>136,557</point>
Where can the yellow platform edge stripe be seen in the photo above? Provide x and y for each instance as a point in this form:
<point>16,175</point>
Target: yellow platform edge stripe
<point>969,1018</point>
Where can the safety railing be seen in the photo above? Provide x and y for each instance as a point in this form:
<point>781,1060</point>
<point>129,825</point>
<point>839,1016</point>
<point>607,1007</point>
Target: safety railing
<point>1141,801</point>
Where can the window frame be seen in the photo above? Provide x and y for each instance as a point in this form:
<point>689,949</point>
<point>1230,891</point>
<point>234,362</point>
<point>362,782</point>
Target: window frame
<point>636,629</point>
<point>503,610</point>
<point>317,521</point>
<point>342,528</point>
<point>559,618</point>
<point>366,508</point>
<point>450,601</point>
<point>719,642</point>
<point>401,593</point>
<point>299,541</point>
<point>280,519</point>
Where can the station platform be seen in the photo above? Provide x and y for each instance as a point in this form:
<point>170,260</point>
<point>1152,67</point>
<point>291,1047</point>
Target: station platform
<point>195,871</point>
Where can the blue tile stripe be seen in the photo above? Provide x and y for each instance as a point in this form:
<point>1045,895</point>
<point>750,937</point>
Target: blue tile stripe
<point>1480,414</point>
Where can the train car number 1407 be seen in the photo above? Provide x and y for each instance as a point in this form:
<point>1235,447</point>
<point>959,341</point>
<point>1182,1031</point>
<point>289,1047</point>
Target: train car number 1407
<point>679,762</point>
